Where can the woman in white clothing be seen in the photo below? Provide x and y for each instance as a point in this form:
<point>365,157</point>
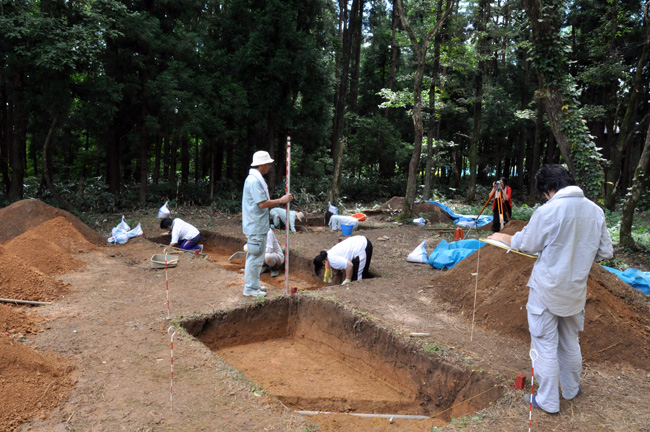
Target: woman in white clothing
<point>351,256</point>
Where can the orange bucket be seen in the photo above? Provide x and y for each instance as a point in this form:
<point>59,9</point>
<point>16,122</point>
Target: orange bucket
<point>359,216</point>
<point>458,234</point>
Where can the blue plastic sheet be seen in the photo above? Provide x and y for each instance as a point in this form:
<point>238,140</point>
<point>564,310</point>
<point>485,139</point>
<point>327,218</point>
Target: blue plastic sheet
<point>634,277</point>
<point>447,255</point>
<point>464,220</point>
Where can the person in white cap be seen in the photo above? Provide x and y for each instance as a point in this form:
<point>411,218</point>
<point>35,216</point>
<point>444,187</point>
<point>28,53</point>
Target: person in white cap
<point>256,203</point>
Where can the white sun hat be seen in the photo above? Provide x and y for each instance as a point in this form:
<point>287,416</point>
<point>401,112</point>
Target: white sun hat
<point>261,158</point>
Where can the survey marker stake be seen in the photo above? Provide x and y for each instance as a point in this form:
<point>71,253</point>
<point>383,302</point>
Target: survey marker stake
<point>286,226</point>
<point>171,381</point>
<point>533,356</point>
<point>166,282</point>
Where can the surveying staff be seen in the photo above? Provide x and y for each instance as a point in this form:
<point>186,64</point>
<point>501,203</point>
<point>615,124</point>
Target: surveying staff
<point>184,235</point>
<point>502,204</point>
<point>568,233</point>
<point>274,257</point>
<point>256,203</point>
<point>352,256</point>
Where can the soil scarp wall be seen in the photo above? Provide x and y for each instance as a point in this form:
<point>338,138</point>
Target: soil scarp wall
<point>414,382</point>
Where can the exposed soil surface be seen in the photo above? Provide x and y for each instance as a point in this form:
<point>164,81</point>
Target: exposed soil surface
<point>99,356</point>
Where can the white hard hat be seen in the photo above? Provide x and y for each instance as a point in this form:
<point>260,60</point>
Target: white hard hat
<point>261,158</point>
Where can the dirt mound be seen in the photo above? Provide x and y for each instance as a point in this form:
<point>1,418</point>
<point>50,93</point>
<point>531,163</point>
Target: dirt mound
<point>42,254</point>
<point>433,212</point>
<point>64,234</point>
<point>16,321</point>
<point>26,214</point>
<point>32,383</point>
<point>19,280</point>
<point>617,326</point>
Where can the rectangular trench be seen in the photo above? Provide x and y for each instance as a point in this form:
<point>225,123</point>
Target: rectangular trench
<point>316,355</point>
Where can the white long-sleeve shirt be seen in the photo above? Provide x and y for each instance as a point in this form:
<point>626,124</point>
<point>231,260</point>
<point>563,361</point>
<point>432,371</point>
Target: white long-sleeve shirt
<point>350,248</point>
<point>181,230</point>
<point>569,233</point>
<point>272,245</point>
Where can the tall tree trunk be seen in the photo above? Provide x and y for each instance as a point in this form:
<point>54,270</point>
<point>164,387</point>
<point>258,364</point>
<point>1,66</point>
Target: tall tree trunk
<point>271,147</point>
<point>481,26</point>
<point>144,158</point>
<point>113,157</point>
<point>338,141</point>
<point>548,94</point>
<point>613,174</point>
<point>18,143</point>
<point>46,169</point>
<point>434,123</point>
<point>157,159</point>
<point>5,134</point>
<point>171,178</point>
<point>185,159</point>
<point>420,47</point>
<point>537,148</point>
<point>634,195</point>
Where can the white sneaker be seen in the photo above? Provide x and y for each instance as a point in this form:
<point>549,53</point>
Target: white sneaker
<point>263,288</point>
<point>253,293</point>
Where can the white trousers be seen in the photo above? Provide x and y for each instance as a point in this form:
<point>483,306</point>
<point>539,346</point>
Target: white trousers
<point>559,360</point>
<point>273,259</point>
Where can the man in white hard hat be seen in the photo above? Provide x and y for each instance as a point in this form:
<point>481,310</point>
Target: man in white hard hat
<point>256,203</point>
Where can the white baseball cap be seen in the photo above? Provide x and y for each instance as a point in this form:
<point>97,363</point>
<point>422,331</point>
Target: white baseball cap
<point>261,158</point>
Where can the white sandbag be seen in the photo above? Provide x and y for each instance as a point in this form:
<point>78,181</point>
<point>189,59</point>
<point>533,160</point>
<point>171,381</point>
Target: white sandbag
<point>122,226</point>
<point>419,254</point>
<point>333,209</point>
<point>135,232</point>
<point>164,212</point>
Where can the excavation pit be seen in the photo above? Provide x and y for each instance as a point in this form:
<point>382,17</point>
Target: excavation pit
<point>317,356</point>
<point>219,248</point>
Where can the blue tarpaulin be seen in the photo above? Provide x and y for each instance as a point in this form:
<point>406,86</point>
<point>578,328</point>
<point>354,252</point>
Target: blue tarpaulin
<point>464,220</point>
<point>446,255</point>
<point>638,279</point>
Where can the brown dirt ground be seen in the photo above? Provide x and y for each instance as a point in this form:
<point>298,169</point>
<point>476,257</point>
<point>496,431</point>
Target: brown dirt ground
<point>101,360</point>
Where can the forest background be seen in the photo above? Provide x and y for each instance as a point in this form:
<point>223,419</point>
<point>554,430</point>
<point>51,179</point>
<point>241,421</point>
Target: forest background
<point>107,105</point>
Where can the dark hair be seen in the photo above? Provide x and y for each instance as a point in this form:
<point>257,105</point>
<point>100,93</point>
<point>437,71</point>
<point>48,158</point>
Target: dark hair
<point>166,223</point>
<point>552,178</point>
<point>328,216</point>
<point>503,180</point>
<point>318,261</point>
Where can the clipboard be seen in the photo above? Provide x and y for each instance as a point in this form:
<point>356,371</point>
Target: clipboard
<point>502,245</point>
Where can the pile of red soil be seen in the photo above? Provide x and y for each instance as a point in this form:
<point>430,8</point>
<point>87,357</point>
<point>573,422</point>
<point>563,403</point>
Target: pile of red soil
<point>32,384</point>
<point>26,214</point>
<point>21,281</point>
<point>15,321</point>
<point>617,325</point>
<point>37,243</point>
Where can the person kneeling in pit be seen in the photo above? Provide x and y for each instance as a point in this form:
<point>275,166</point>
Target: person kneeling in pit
<point>274,257</point>
<point>184,235</point>
<point>351,256</point>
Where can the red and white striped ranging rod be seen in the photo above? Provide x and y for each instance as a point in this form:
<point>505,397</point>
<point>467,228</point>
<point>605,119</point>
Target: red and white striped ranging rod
<point>286,226</point>
<point>166,283</point>
<point>171,382</point>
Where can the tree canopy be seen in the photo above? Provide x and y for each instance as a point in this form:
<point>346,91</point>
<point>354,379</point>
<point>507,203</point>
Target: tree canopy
<point>412,97</point>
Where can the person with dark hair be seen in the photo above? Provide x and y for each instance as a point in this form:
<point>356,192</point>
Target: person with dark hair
<point>568,233</point>
<point>351,256</point>
<point>184,235</point>
<point>256,203</point>
<point>502,204</point>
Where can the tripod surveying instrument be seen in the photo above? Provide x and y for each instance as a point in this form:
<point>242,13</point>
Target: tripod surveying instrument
<point>501,206</point>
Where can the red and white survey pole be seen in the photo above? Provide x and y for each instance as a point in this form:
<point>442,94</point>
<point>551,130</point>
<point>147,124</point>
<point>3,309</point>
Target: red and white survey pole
<point>286,225</point>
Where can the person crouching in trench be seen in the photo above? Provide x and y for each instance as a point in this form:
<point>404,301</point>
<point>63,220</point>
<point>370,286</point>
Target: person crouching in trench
<point>351,256</point>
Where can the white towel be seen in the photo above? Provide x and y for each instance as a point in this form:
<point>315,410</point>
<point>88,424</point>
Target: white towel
<point>258,175</point>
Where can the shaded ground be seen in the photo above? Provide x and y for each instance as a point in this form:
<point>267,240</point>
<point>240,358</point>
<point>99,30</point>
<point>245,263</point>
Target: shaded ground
<point>102,358</point>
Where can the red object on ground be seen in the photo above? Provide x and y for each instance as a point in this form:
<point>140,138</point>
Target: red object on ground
<point>458,234</point>
<point>520,382</point>
<point>359,216</point>
<point>294,290</point>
